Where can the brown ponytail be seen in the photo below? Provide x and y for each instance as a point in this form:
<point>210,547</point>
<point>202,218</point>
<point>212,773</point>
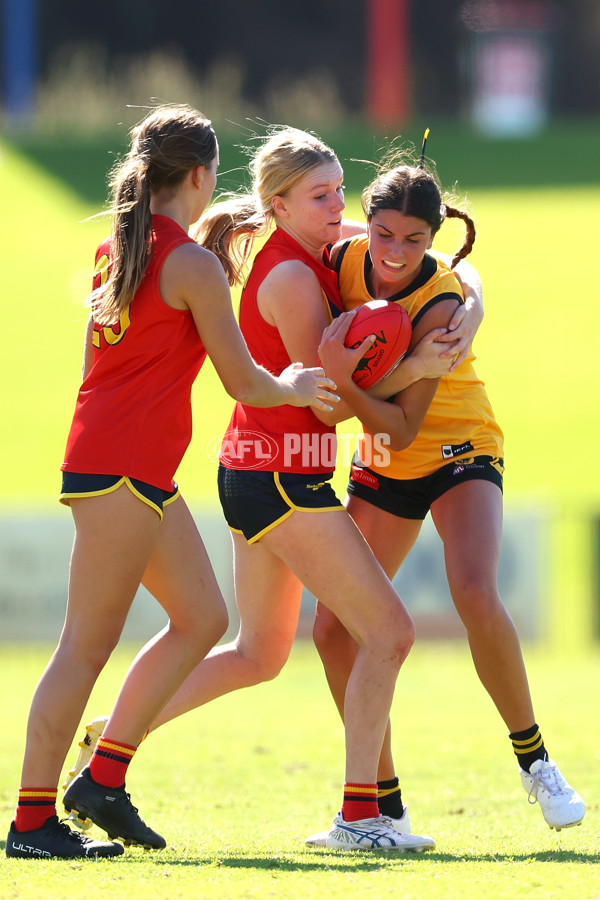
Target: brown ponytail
<point>165,146</point>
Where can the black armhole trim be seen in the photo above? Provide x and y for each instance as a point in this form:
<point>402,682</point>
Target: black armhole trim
<point>447,295</point>
<point>341,253</point>
<point>334,310</point>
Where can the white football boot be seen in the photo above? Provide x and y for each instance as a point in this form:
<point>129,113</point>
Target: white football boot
<point>561,805</point>
<point>401,825</point>
<point>373,834</point>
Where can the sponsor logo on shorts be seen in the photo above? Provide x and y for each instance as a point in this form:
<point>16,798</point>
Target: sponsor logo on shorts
<point>449,451</point>
<point>462,465</point>
<point>361,476</point>
<point>315,487</point>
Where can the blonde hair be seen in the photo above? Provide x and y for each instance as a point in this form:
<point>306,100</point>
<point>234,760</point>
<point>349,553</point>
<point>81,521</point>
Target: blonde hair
<point>229,227</point>
<point>169,142</point>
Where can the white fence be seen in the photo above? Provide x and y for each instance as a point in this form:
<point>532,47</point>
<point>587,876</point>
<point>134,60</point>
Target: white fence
<point>34,560</point>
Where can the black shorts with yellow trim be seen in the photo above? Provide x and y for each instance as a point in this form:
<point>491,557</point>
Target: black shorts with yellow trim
<point>411,498</point>
<point>76,484</point>
<point>254,502</point>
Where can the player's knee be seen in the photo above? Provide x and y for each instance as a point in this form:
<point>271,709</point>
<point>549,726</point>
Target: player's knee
<point>395,637</point>
<point>92,654</point>
<point>262,663</point>
<point>330,637</point>
<point>478,604</point>
<point>218,622</point>
<point>206,627</point>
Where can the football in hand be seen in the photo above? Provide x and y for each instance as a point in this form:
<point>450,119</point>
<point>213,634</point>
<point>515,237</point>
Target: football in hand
<point>390,323</point>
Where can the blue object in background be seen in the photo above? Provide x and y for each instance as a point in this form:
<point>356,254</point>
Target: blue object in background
<point>19,59</point>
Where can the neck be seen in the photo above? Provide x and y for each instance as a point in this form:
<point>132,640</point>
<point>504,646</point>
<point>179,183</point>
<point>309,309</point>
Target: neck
<point>314,250</point>
<point>173,210</point>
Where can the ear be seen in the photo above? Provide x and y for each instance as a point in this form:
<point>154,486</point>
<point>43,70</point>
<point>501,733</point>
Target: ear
<point>279,207</point>
<point>197,175</point>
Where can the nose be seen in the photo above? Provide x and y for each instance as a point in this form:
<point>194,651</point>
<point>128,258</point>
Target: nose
<point>396,252</point>
<point>339,203</point>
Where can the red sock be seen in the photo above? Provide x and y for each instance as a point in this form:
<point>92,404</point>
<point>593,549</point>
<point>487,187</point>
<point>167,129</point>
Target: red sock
<point>360,802</point>
<point>109,763</point>
<point>34,807</point>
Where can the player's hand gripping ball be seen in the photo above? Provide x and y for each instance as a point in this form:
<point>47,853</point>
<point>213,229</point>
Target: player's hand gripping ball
<point>390,323</point>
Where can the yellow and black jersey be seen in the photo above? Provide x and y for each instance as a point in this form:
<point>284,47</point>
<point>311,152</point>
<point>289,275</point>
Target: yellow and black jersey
<point>460,422</point>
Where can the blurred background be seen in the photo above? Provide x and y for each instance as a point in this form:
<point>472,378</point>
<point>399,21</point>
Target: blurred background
<point>511,91</point>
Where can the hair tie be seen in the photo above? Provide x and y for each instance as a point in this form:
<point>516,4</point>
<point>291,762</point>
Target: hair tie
<point>423,145</point>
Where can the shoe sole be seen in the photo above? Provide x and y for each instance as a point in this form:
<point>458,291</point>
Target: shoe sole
<point>560,827</point>
<point>92,735</point>
<point>364,849</point>
<point>320,840</point>
<point>82,814</point>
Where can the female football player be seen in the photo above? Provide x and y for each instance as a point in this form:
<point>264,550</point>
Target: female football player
<point>161,304</point>
<point>453,469</point>
<point>288,528</point>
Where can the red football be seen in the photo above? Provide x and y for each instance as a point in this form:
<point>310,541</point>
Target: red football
<point>390,323</point>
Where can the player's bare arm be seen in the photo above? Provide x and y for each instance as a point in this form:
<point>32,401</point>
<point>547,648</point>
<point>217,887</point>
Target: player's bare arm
<point>199,284</point>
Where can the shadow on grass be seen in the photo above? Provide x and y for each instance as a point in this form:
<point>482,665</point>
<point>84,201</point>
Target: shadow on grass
<point>315,861</point>
<point>357,861</point>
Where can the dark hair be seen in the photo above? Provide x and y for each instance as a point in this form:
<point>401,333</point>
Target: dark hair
<point>169,142</point>
<point>415,192</point>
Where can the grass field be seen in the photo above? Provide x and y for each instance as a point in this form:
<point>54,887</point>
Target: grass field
<point>236,786</point>
<point>537,347</point>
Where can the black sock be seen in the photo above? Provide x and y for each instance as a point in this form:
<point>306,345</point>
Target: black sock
<point>528,746</point>
<point>389,798</point>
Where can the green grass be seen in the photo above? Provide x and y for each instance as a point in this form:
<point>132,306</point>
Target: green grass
<point>236,786</point>
<point>536,347</point>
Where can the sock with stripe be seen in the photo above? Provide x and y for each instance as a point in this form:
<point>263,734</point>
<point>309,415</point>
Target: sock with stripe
<point>360,802</point>
<point>35,805</point>
<point>389,798</point>
<point>109,763</point>
<point>528,746</point>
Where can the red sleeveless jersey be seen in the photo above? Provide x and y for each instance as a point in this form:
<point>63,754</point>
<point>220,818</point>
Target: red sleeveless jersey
<point>283,438</point>
<point>133,414</point>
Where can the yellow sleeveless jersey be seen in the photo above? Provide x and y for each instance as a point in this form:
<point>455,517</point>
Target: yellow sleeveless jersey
<point>460,422</point>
